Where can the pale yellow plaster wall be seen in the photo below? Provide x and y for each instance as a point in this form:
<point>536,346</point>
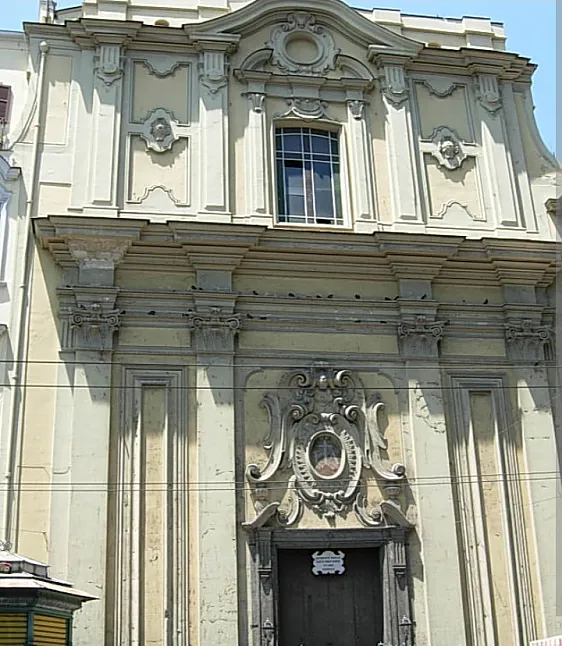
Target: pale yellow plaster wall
<point>151,91</point>
<point>473,347</point>
<point>451,111</point>
<point>319,342</point>
<point>53,198</point>
<point>38,429</point>
<point>450,188</point>
<point>146,279</point>
<point>57,84</point>
<point>369,287</point>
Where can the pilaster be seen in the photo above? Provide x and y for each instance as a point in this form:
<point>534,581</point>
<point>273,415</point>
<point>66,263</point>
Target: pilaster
<point>361,162</point>
<point>89,320</point>
<point>399,139</point>
<point>256,155</point>
<point>215,326</point>
<point>213,110</point>
<point>419,334</point>
<point>501,180</point>
<point>526,337</point>
<point>109,42</point>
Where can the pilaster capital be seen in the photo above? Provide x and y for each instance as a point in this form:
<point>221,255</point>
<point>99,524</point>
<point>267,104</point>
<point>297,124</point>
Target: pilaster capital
<point>90,318</point>
<point>419,337</point>
<point>215,329</point>
<point>525,340</point>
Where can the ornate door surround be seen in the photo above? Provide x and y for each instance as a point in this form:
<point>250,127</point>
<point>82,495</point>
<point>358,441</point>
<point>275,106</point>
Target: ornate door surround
<point>265,543</point>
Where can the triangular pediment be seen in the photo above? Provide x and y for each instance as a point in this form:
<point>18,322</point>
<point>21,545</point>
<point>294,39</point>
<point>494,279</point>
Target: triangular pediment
<point>334,14</point>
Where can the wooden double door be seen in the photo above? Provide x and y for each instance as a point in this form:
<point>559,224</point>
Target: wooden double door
<point>337,609</point>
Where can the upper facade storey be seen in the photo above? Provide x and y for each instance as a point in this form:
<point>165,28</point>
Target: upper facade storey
<point>305,113</point>
<point>437,32</point>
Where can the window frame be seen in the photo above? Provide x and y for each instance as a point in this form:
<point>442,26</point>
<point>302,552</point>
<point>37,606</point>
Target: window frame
<point>9,101</point>
<point>337,129</point>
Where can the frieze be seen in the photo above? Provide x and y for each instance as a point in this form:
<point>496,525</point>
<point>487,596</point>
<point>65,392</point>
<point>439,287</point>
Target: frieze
<point>324,430</point>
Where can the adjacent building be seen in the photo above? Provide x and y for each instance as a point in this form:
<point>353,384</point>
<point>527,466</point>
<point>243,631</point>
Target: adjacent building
<point>279,347</point>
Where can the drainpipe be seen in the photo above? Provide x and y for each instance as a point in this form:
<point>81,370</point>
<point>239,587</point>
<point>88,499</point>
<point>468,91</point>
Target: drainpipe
<point>17,403</point>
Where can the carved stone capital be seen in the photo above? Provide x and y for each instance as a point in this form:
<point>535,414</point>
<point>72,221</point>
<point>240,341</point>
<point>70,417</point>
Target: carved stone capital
<point>525,340</point>
<point>257,100</point>
<point>356,109</point>
<point>488,92</point>
<point>215,330</point>
<point>394,84</point>
<point>420,338</point>
<point>91,322</point>
<point>108,63</point>
<point>213,70</point>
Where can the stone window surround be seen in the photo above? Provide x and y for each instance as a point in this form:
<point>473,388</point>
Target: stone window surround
<point>265,542</point>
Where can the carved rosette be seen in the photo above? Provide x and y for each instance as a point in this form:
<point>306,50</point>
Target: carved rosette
<point>302,27</point>
<point>159,130</point>
<point>420,338</point>
<point>447,148</point>
<point>93,326</point>
<point>526,340</point>
<point>324,431</point>
<point>215,330</point>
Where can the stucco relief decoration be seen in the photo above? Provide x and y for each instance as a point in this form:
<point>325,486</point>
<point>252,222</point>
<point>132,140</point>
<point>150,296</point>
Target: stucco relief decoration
<point>488,92</point>
<point>159,130</point>
<point>394,84</point>
<point>447,148</point>
<point>420,337</point>
<point>93,326</point>
<point>306,109</point>
<point>212,70</point>
<point>301,46</point>
<point>108,63</point>
<point>324,431</point>
<point>216,329</point>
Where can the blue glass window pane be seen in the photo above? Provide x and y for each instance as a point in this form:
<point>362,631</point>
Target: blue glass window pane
<point>321,144</point>
<point>292,143</point>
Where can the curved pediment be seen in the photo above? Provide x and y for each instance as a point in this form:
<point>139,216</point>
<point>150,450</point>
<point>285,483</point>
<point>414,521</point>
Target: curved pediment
<point>330,13</point>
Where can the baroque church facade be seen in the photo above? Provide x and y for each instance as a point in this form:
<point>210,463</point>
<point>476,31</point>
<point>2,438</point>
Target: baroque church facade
<point>278,324</point>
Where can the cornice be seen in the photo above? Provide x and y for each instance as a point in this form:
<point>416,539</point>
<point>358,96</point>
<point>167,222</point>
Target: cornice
<point>255,249</point>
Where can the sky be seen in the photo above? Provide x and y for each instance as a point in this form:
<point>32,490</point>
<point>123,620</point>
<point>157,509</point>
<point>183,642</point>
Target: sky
<point>530,27</point>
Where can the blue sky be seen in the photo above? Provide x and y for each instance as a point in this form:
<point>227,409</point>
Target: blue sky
<point>530,27</point>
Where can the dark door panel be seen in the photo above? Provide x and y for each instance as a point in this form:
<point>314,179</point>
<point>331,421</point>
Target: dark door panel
<point>330,609</point>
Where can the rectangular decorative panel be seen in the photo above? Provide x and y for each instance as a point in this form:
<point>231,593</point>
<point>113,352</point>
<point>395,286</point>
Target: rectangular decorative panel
<point>488,500</point>
<point>57,87</point>
<point>166,86</point>
<point>151,502</point>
